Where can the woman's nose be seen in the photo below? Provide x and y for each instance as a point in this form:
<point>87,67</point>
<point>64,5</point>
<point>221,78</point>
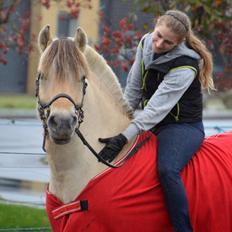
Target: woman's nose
<point>159,43</point>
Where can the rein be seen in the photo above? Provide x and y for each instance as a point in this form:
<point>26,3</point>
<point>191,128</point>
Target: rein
<point>100,159</point>
<point>44,111</point>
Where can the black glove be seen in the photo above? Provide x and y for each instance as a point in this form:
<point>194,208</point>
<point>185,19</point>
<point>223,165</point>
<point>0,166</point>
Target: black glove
<point>113,146</point>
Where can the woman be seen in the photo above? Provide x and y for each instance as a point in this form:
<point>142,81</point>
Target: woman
<point>171,67</point>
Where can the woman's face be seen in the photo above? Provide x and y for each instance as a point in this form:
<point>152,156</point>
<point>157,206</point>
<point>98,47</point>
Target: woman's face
<point>164,39</point>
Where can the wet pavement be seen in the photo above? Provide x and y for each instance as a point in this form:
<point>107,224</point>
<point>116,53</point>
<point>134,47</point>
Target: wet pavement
<point>24,172</point>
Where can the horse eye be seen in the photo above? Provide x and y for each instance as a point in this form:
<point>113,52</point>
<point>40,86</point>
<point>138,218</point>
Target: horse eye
<point>43,77</point>
<point>40,76</point>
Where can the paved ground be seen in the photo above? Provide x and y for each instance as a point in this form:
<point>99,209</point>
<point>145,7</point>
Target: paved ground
<point>23,170</point>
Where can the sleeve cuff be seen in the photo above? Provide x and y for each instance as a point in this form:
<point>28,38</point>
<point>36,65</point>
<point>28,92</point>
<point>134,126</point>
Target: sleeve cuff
<point>131,131</point>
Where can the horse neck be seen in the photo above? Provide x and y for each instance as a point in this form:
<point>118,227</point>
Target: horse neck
<point>72,165</point>
<point>104,116</point>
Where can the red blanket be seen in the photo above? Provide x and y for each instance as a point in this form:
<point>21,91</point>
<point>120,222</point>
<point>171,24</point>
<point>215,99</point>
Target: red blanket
<point>130,198</point>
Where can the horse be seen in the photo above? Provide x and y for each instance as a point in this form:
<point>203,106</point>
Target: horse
<point>80,100</point>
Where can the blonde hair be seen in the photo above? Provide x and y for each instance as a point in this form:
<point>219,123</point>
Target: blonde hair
<point>180,24</point>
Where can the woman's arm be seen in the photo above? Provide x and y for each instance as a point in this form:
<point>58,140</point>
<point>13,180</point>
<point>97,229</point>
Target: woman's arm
<point>170,90</point>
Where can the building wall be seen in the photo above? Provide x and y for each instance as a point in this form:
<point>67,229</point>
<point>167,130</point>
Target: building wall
<point>40,16</point>
<point>13,75</point>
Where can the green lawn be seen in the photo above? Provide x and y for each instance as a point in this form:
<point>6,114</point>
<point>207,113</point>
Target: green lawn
<point>17,101</point>
<point>17,216</point>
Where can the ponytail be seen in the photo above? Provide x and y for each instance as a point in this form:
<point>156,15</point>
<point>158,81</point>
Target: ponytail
<point>206,68</point>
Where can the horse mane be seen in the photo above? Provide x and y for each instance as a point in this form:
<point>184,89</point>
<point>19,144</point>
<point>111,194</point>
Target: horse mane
<point>99,66</point>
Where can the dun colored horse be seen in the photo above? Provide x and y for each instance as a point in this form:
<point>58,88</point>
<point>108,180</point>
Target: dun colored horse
<point>80,100</point>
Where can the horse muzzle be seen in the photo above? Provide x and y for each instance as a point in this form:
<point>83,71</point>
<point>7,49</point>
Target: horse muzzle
<point>61,128</point>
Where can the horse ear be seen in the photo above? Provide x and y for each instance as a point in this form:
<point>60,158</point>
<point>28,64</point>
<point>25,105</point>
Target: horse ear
<point>44,38</point>
<point>80,39</point>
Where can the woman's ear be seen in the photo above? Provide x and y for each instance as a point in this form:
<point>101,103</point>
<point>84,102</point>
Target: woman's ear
<point>44,38</point>
<point>80,39</point>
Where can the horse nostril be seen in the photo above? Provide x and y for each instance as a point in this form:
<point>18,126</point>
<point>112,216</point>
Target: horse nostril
<point>52,121</point>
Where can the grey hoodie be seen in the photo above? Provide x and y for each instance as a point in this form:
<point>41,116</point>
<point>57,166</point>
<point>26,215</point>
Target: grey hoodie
<point>171,89</point>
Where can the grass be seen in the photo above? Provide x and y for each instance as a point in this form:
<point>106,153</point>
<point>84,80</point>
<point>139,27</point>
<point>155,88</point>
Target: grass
<point>17,101</point>
<point>17,216</point>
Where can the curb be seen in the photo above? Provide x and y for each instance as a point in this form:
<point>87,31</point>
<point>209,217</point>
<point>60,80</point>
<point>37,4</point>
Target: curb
<point>217,114</point>
<point>18,113</point>
<point>32,114</point>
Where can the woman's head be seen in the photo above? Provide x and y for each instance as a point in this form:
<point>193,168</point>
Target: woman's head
<point>174,27</point>
<point>171,29</point>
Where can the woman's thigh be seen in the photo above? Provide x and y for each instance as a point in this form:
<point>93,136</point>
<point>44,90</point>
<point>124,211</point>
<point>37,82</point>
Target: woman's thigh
<point>177,143</point>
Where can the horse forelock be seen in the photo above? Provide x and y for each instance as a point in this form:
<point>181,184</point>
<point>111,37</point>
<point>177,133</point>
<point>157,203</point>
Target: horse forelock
<point>63,57</point>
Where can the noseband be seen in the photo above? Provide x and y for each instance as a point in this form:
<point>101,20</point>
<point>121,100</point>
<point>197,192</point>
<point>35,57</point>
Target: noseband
<point>44,112</point>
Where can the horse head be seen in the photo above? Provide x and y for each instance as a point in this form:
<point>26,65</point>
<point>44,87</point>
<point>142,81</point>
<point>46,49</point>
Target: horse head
<point>61,84</point>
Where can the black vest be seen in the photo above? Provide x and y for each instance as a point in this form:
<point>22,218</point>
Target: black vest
<point>189,107</point>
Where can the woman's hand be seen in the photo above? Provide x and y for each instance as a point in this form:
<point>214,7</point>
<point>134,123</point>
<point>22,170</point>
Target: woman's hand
<point>113,146</point>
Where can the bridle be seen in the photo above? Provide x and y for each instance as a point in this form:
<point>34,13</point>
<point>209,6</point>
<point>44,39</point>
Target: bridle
<point>44,112</point>
<point>44,108</point>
